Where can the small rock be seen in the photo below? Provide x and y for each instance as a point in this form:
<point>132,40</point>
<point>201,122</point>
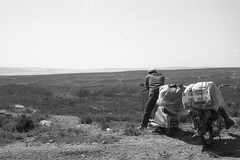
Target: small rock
<point>45,123</point>
<point>50,141</point>
<point>104,142</point>
<point>82,155</point>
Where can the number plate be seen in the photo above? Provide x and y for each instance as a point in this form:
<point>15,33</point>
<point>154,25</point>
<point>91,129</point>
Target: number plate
<point>174,122</point>
<point>198,123</point>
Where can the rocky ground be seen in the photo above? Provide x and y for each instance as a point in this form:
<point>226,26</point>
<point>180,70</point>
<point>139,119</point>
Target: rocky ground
<point>148,145</point>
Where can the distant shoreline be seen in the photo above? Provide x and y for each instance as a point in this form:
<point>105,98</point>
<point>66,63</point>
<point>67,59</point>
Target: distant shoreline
<point>11,71</point>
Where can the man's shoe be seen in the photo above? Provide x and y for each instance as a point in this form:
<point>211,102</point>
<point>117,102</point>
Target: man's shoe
<point>196,135</point>
<point>141,128</point>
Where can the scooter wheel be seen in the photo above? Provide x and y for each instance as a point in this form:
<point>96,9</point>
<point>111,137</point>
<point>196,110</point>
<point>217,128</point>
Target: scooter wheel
<point>207,139</point>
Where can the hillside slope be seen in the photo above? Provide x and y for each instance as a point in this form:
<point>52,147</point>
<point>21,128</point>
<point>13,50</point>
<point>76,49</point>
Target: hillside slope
<point>116,145</point>
<point>106,101</point>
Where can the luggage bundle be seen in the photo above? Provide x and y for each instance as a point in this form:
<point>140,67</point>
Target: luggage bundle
<point>202,95</point>
<point>170,97</point>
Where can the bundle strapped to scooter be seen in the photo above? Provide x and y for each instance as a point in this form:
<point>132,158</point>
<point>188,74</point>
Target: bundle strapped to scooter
<point>202,95</point>
<point>170,97</point>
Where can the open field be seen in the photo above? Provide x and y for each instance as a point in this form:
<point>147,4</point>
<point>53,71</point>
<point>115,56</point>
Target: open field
<point>111,90</point>
<point>110,100</point>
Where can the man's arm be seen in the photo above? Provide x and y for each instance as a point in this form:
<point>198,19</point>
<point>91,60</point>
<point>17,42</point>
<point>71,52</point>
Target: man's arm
<point>147,83</point>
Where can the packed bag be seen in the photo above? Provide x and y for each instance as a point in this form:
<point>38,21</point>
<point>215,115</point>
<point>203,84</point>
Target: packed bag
<point>170,97</point>
<point>202,95</point>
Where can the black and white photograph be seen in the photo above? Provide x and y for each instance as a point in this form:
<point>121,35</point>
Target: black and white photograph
<point>119,79</point>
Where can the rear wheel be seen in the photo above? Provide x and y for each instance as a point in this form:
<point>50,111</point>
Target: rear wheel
<point>207,138</point>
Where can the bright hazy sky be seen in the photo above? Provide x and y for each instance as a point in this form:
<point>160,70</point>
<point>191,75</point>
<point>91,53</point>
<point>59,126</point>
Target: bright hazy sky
<point>94,34</point>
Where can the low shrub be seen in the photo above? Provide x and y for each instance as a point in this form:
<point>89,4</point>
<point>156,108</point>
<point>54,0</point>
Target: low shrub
<point>24,124</point>
<point>102,119</point>
<point>8,137</point>
<point>128,117</point>
<point>16,128</point>
<point>87,119</point>
<point>113,117</point>
<point>103,122</point>
<point>131,130</point>
<point>83,93</point>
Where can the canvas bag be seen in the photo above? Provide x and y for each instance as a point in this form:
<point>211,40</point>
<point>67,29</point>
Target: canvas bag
<point>203,95</point>
<point>170,97</point>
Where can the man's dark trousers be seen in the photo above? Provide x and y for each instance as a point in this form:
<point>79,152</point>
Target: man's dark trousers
<point>153,97</point>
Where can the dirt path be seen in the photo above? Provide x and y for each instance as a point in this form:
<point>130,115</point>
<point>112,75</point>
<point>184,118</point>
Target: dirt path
<point>146,146</point>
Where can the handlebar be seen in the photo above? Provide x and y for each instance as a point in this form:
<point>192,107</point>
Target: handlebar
<point>223,85</point>
<point>144,90</point>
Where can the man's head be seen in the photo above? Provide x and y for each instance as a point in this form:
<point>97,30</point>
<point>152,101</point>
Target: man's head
<point>152,70</point>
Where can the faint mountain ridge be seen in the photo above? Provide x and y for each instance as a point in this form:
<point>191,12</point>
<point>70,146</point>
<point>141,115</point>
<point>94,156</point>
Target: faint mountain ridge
<point>10,71</point>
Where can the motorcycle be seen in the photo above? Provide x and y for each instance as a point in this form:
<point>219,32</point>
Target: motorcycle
<point>209,122</point>
<point>163,116</point>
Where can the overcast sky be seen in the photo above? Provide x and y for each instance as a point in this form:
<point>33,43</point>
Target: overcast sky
<point>94,34</point>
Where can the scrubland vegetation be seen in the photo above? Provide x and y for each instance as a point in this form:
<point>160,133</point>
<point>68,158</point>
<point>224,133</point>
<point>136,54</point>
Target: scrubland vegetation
<point>102,98</point>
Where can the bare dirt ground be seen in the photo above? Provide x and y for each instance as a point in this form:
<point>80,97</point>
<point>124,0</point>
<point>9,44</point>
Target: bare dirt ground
<point>148,145</point>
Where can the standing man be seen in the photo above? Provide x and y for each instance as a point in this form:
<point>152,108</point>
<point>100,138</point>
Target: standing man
<point>153,81</point>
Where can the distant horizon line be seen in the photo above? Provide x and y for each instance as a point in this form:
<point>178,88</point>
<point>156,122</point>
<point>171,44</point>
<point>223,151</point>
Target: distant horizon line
<point>27,71</point>
<point>171,67</point>
<point>118,68</point>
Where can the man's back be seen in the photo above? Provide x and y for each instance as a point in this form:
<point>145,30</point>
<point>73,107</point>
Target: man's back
<point>154,81</point>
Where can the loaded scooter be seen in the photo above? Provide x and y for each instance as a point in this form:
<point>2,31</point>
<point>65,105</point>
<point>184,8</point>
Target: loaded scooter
<point>168,108</point>
<point>205,100</point>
